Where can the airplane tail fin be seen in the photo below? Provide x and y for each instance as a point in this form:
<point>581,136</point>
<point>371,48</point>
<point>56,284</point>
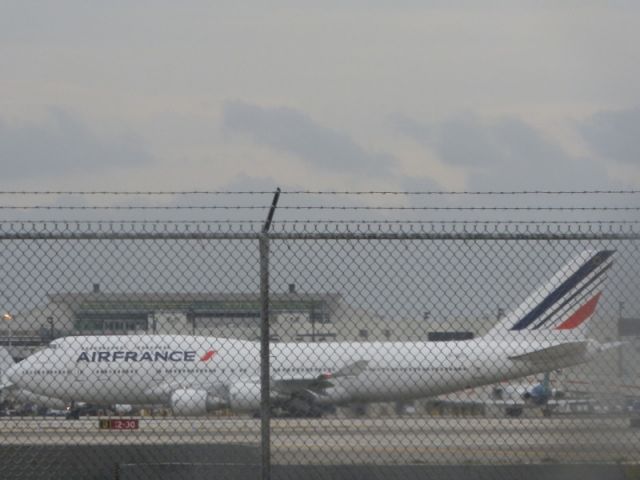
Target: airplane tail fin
<point>546,382</point>
<point>566,301</point>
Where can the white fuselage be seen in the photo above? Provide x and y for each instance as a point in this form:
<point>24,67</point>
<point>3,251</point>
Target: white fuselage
<point>147,369</point>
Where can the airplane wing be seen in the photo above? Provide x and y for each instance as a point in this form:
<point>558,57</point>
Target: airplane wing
<point>282,385</point>
<point>5,384</point>
<point>6,388</point>
<point>168,387</point>
<point>300,385</point>
<point>6,362</point>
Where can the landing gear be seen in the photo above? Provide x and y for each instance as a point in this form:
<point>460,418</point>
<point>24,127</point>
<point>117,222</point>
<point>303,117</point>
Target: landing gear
<point>513,412</point>
<point>73,414</point>
<point>300,408</point>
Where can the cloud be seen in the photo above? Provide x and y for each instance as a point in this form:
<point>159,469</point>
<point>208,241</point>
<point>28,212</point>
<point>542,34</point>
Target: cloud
<point>289,130</point>
<point>62,145</point>
<point>417,184</point>
<point>419,131</point>
<point>506,153</point>
<point>614,134</point>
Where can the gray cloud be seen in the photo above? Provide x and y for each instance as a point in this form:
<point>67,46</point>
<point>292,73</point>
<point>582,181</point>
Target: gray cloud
<point>504,154</point>
<point>614,134</point>
<point>478,146</point>
<point>418,184</point>
<point>61,145</point>
<point>419,131</point>
<point>291,131</point>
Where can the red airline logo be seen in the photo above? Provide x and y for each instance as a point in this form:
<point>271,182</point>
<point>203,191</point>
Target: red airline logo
<point>208,356</point>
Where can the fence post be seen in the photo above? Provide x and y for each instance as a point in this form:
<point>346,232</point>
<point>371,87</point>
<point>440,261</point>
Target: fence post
<point>265,377</point>
<point>265,372</point>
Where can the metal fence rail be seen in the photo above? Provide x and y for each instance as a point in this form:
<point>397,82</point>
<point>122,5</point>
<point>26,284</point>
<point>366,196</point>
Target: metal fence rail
<point>387,344</point>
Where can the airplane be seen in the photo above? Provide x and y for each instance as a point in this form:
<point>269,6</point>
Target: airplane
<point>194,375</point>
<point>606,393</point>
<point>25,397</point>
<point>587,395</point>
<point>20,395</point>
<point>515,398</point>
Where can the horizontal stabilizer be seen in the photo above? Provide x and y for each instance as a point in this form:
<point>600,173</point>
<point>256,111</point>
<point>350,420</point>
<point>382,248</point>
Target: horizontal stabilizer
<point>608,346</point>
<point>554,353</point>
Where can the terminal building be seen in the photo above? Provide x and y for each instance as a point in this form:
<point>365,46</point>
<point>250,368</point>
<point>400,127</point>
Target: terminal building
<point>294,317</point>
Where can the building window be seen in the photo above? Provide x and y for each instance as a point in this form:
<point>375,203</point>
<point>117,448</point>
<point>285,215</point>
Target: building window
<point>449,336</point>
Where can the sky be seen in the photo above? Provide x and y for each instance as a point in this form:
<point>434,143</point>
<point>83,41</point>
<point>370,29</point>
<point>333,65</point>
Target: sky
<point>429,95</point>
<point>349,95</point>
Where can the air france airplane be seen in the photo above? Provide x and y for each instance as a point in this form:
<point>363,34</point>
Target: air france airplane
<point>19,395</point>
<point>196,374</point>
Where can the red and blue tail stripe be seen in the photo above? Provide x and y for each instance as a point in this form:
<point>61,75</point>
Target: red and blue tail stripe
<point>571,303</point>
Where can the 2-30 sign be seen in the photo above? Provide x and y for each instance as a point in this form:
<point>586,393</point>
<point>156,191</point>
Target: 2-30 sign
<point>119,424</point>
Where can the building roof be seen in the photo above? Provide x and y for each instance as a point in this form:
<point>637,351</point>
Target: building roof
<point>195,303</point>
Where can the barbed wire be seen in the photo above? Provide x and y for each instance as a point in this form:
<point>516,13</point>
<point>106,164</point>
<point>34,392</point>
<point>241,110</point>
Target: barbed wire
<point>319,192</point>
<point>321,221</point>
<point>311,207</point>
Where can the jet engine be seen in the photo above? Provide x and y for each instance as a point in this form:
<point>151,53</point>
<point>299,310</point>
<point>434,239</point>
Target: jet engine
<point>245,396</point>
<point>189,401</point>
<point>122,408</point>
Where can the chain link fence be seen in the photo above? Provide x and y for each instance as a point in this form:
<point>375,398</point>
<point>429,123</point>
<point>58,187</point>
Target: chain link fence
<point>397,345</point>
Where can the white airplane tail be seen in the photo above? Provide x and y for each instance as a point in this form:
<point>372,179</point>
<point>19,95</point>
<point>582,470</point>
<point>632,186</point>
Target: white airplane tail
<point>566,301</point>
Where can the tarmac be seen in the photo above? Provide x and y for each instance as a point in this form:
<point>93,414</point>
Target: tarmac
<point>403,440</point>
